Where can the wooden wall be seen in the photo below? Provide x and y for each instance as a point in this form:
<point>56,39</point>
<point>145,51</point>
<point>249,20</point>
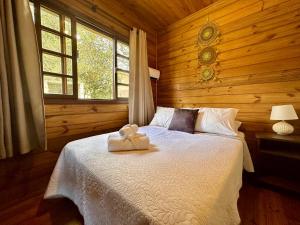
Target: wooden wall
<point>69,121</point>
<point>258,60</point>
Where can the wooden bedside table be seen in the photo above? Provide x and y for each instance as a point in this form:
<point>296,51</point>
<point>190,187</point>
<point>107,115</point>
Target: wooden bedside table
<point>278,163</point>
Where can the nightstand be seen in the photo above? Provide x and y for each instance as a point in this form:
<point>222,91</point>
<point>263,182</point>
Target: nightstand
<point>278,162</point>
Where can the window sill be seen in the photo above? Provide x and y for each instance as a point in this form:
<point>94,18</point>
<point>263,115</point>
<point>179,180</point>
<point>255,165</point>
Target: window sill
<point>49,101</point>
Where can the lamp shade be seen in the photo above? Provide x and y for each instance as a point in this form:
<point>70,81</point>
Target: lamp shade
<point>283,112</point>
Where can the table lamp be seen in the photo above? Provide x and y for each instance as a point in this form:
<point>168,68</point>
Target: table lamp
<point>283,112</point>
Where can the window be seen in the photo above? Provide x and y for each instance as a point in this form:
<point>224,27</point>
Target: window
<point>80,60</point>
<point>95,64</point>
<point>122,70</point>
<point>56,51</point>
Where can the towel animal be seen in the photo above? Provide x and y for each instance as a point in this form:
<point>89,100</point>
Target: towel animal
<point>116,142</point>
<point>128,130</point>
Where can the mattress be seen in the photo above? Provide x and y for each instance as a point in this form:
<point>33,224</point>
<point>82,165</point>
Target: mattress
<point>182,179</point>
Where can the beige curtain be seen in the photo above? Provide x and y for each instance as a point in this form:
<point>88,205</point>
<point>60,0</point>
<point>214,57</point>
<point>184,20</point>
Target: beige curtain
<point>22,125</point>
<point>141,107</point>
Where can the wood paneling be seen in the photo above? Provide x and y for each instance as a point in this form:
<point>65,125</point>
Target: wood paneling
<point>67,120</point>
<point>159,14</point>
<point>258,60</point>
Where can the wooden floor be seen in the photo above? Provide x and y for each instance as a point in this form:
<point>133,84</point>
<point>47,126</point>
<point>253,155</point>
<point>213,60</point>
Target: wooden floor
<point>257,206</point>
<point>260,206</point>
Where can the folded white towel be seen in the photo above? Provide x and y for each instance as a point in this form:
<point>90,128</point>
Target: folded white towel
<point>128,130</point>
<point>116,142</point>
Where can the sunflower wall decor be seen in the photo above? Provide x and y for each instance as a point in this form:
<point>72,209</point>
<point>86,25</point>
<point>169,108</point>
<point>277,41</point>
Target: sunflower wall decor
<point>207,73</point>
<point>207,55</point>
<point>208,36</point>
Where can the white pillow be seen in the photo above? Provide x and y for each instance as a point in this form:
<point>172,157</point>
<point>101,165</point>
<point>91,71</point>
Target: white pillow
<point>162,117</point>
<point>217,121</point>
<point>237,124</point>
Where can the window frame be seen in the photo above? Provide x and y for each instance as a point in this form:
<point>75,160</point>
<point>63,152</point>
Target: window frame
<point>118,69</point>
<point>86,21</point>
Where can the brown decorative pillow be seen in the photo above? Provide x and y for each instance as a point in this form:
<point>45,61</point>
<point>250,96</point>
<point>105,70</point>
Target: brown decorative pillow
<point>184,120</point>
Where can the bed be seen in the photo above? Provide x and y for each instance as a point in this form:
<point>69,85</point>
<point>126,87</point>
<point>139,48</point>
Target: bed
<point>182,179</point>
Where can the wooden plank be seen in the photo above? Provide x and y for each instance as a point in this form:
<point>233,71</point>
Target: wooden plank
<point>279,87</point>
<point>61,120</point>
<point>288,67</point>
<point>193,82</point>
<point>193,31</point>
<point>216,10</point>
<point>274,54</point>
<point>273,98</point>
<point>278,68</point>
<point>66,130</point>
<point>56,109</point>
<point>278,43</point>
<point>256,33</point>
<point>249,45</point>
<point>248,17</point>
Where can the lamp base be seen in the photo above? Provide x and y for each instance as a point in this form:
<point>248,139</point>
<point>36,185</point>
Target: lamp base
<point>283,128</point>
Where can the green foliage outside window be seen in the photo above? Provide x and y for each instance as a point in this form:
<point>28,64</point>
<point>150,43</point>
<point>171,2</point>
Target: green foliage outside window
<point>95,64</point>
<point>95,59</point>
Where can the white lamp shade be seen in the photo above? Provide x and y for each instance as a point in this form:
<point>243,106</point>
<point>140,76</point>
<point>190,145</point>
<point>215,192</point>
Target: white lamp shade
<point>154,73</point>
<point>283,112</point>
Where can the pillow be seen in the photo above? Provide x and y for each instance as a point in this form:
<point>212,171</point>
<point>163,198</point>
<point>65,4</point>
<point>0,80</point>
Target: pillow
<point>237,124</point>
<point>162,117</point>
<point>184,120</point>
<point>217,120</point>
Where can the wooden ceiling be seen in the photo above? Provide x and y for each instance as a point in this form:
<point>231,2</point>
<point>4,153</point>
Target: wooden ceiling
<point>160,13</point>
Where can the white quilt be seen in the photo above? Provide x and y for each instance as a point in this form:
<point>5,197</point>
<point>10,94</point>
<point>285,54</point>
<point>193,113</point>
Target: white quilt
<point>184,179</point>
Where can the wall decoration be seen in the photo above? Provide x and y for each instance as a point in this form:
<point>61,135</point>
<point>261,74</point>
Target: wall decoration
<point>207,73</point>
<point>208,36</point>
<point>207,56</point>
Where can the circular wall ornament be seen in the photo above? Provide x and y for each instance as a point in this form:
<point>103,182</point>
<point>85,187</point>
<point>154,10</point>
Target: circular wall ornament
<point>207,56</point>
<point>208,34</point>
<point>207,73</point>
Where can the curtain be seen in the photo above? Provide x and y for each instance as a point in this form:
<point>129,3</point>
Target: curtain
<point>22,123</point>
<point>141,106</point>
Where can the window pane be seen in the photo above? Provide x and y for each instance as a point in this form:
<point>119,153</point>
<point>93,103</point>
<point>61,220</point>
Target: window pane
<point>95,64</point>
<point>50,19</point>
<point>51,41</point>
<point>122,49</point>
<point>67,28</point>
<point>122,63</point>
<point>69,69</point>
<point>51,63</point>
<point>123,77</point>
<point>123,91</point>
<point>52,85</point>
<point>31,5</point>
<point>69,86</point>
<point>68,43</point>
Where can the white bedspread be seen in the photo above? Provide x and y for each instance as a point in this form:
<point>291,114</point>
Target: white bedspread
<point>185,179</point>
